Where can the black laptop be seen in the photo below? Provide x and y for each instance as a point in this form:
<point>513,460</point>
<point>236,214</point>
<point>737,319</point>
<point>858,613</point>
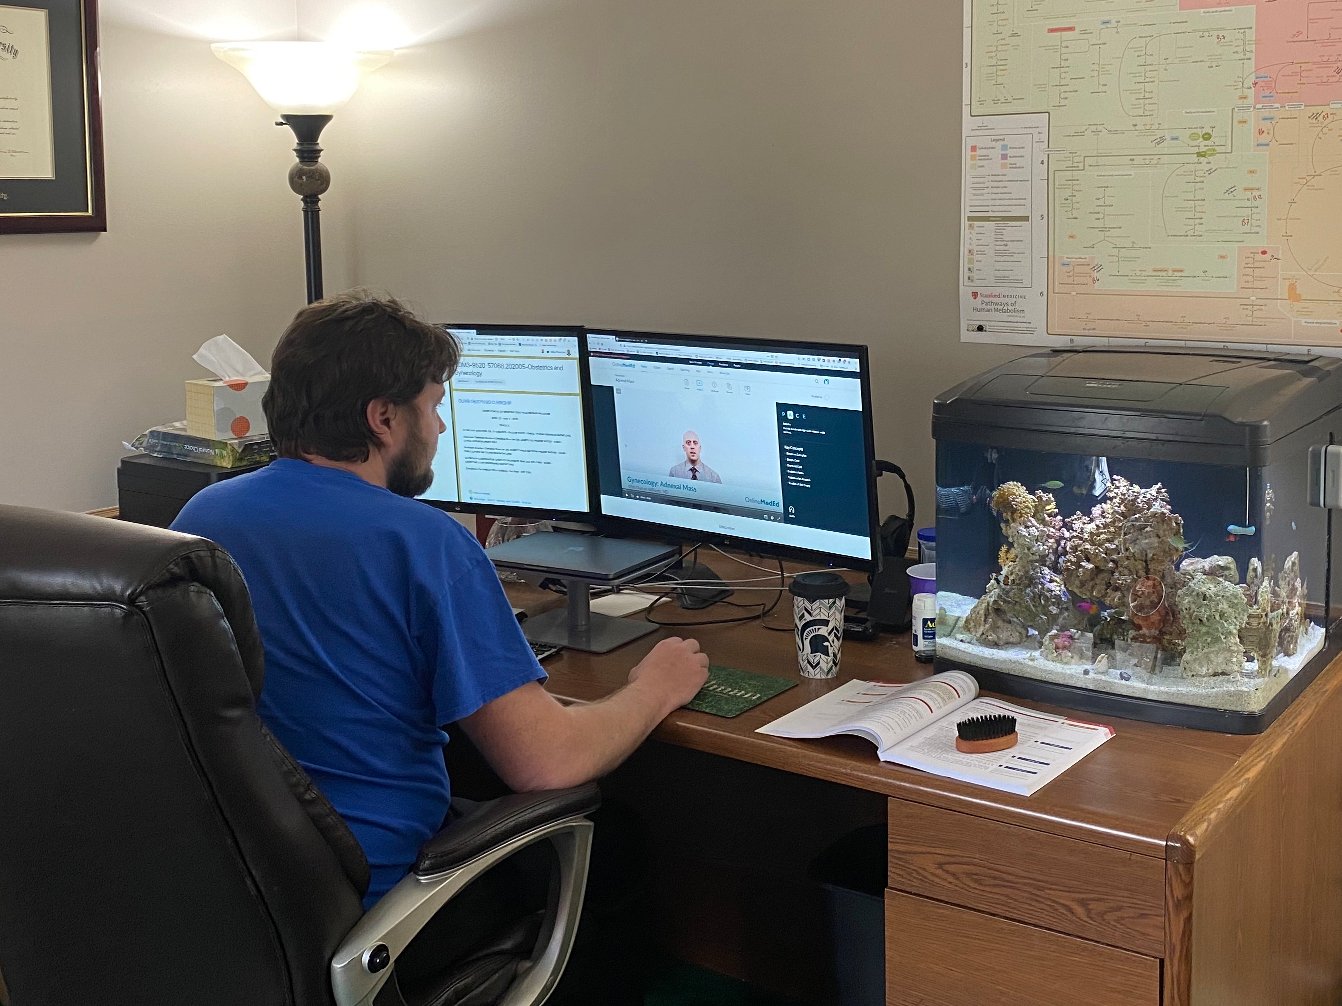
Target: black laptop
<point>580,556</point>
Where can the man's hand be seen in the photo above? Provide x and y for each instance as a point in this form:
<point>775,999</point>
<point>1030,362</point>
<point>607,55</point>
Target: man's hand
<point>535,743</point>
<point>676,668</point>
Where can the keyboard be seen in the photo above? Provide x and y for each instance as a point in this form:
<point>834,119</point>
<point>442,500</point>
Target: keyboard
<point>543,650</point>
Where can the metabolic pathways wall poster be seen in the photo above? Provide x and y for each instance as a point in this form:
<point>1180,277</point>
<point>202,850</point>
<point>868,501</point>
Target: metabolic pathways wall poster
<point>1153,170</point>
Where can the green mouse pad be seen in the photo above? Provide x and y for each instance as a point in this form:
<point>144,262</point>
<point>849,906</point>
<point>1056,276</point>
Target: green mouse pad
<point>730,692</point>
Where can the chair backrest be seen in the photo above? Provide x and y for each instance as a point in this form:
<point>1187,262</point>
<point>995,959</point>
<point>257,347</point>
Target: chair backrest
<point>156,846</point>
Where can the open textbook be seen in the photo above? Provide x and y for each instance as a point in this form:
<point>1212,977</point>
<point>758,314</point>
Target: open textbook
<point>914,725</point>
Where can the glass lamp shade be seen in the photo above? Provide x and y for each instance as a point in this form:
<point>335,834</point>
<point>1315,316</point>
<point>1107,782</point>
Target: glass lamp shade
<point>301,78</point>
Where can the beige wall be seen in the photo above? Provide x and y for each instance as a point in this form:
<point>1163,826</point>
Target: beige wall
<point>753,167</point>
<point>203,237</point>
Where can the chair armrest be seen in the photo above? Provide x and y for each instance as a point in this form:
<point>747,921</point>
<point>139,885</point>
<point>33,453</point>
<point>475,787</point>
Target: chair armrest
<point>498,821</point>
<point>492,832</point>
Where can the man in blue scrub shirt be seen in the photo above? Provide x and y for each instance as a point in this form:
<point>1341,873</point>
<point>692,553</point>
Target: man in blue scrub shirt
<point>382,618</point>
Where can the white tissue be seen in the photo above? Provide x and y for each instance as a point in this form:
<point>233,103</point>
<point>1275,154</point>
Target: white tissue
<point>227,360</point>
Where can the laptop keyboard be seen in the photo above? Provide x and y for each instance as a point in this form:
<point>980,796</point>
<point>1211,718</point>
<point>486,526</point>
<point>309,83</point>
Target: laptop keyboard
<point>543,650</point>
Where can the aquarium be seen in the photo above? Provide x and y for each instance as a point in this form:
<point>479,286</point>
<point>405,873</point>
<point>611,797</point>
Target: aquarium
<point>1130,532</point>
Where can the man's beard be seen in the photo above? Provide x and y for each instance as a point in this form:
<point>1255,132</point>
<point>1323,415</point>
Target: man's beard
<point>411,472</point>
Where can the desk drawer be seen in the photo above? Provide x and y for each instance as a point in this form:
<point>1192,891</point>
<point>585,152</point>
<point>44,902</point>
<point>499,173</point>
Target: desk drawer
<point>1084,890</point>
<point>940,955</point>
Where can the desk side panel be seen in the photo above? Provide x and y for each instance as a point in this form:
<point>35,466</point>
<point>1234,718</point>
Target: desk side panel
<point>1255,873</point>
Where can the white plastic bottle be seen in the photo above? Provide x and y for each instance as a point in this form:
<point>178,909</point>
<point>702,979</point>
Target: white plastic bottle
<point>924,627</point>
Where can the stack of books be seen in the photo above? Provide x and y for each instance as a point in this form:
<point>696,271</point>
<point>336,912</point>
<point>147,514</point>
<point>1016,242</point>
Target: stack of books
<point>172,441</point>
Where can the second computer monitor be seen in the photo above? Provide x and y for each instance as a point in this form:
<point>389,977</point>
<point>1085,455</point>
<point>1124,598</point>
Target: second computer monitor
<point>516,439</point>
<point>766,444</point>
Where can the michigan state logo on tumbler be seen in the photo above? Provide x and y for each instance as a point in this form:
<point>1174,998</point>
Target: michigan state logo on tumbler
<point>817,616</point>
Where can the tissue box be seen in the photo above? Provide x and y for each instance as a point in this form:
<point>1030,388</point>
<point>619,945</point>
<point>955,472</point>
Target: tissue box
<point>221,409</point>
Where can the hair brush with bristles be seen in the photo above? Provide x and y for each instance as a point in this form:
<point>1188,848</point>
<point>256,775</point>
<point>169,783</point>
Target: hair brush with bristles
<point>984,734</point>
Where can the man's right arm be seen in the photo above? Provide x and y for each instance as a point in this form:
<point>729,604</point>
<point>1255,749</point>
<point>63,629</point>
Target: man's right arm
<point>535,742</point>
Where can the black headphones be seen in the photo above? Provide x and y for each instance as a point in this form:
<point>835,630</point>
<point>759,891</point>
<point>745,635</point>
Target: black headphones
<point>895,531</point>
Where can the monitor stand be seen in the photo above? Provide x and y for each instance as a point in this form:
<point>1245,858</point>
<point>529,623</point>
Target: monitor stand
<point>578,627</point>
<point>580,561</point>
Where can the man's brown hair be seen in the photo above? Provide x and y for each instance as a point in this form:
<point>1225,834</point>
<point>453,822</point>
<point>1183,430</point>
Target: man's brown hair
<point>336,356</point>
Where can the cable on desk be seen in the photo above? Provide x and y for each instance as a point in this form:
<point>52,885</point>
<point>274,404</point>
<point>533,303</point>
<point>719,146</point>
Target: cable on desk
<point>764,609</point>
<point>664,589</point>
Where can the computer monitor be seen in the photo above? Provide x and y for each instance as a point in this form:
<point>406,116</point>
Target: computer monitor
<point>763,444</point>
<point>516,445</point>
<point>516,442</point>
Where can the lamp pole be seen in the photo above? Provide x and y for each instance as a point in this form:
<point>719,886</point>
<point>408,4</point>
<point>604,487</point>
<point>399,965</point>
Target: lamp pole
<point>305,82</point>
<point>309,178</point>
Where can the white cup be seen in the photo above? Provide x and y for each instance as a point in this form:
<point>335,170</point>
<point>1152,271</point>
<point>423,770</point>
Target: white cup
<point>817,618</point>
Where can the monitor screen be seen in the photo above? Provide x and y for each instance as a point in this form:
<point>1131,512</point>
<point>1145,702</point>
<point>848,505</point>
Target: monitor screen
<point>765,444</point>
<point>515,440</point>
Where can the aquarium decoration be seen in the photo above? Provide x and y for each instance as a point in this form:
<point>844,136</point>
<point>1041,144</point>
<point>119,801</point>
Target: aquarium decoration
<point>1112,596</point>
<point>1213,612</point>
<point>1028,593</point>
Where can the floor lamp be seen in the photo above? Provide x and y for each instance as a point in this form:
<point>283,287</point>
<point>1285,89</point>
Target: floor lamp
<point>305,82</point>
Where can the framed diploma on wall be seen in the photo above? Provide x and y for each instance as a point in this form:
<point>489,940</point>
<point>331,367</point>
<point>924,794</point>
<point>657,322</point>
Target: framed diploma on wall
<point>51,137</point>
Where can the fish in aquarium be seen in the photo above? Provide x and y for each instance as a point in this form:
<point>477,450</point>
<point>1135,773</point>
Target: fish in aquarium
<point>1113,595</point>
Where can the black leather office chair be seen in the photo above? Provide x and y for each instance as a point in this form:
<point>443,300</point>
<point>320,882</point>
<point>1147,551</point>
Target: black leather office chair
<point>157,846</point>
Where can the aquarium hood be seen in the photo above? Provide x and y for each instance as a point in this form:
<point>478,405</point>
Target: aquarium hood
<point>1214,408</point>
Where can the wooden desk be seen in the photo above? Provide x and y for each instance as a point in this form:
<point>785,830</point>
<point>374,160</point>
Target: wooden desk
<point>1171,866</point>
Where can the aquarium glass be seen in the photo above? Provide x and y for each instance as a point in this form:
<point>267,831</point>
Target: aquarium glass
<point>1171,581</point>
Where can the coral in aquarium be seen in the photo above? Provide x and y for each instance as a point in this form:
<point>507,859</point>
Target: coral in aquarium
<point>1222,566</point>
<point>1132,534</point>
<point>992,620</point>
<point>1105,594</point>
<point>1103,586</point>
<point>1253,580</point>
<point>1027,593</point>
<point>1066,646</point>
<point>1259,633</point>
<point>1290,597</point>
<point>999,618</point>
<point>1213,612</point>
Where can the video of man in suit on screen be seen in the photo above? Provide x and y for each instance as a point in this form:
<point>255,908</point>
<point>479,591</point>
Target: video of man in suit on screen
<point>739,439</point>
<point>698,451</point>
